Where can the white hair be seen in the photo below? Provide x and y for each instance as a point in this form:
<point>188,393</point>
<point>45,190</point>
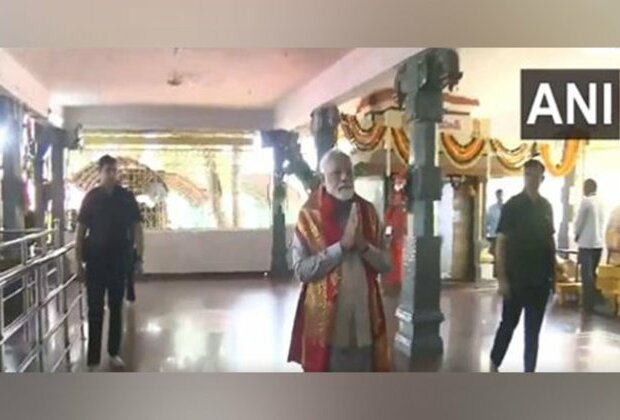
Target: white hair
<point>332,154</point>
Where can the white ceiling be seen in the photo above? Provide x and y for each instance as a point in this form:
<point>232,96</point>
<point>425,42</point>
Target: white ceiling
<point>222,78</point>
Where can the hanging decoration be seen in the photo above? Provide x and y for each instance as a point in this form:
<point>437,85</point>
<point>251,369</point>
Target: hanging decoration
<point>364,139</point>
<point>569,157</point>
<point>462,156</point>
<point>401,143</point>
<point>511,159</point>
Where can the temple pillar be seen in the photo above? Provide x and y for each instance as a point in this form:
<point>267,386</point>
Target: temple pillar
<point>215,190</point>
<point>478,226</point>
<point>464,230</point>
<point>41,194</point>
<point>572,193</point>
<point>419,84</point>
<point>58,140</point>
<point>236,166</point>
<point>13,200</point>
<point>564,232</point>
<point>279,141</point>
<point>324,125</point>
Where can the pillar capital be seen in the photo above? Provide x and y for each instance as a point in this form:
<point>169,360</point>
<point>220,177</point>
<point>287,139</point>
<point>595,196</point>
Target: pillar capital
<point>324,122</point>
<point>421,79</point>
<point>278,138</point>
<point>324,118</point>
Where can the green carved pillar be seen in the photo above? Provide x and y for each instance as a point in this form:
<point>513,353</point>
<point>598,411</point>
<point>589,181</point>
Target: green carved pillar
<point>296,165</point>
<point>419,83</point>
<point>324,125</point>
<point>279,141</point>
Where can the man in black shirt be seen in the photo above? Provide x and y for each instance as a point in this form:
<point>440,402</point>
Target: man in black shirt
<point>525,265</point>
<point>109,229</point>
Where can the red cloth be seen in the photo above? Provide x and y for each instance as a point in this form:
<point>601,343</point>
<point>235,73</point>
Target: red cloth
<point>396,217</point>
<point>311,337</point>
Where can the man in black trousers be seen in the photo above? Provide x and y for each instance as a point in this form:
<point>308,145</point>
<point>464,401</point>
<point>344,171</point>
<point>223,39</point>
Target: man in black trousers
<point>135,269</point>
<point>525,265</point>
<point>109,229</point>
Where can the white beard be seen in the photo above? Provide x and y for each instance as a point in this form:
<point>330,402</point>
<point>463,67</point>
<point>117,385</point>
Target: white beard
<point>345,195</point>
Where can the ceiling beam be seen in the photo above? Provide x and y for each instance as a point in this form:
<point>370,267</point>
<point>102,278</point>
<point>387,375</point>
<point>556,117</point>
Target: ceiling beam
<point>166,117</point>
<point>17,82</point>
<point>339,83</point>
<point>162,139</point>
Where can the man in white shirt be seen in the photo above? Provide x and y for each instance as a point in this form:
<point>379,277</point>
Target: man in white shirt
<point>589,235</point>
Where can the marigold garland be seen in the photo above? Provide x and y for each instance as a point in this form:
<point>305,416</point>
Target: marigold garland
<point>401,143</point>
<point>364,139</point>
<point>511,159</point>
<point>569,157</point>
<point>463,155</point>
<point>522,150</point>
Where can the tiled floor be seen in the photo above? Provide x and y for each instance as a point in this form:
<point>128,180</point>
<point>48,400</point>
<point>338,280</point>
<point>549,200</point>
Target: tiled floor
<point>244,325</point>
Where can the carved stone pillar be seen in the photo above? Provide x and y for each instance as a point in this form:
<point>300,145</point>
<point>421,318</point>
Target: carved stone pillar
<point>324,126</point>
<point>419,83</point>
<point>279,141</point>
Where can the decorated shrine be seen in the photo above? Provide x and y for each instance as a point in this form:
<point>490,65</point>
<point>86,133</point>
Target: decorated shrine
<point>469,157</point>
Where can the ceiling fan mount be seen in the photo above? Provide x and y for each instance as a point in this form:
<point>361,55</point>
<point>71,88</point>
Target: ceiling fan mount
<point>175,79</point>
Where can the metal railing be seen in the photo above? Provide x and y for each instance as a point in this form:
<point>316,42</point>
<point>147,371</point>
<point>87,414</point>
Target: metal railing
<point>40,285</point>
<point>27,244</point>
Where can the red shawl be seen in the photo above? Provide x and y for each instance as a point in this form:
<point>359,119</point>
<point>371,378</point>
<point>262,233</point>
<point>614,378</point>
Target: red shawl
<point>317,228</point>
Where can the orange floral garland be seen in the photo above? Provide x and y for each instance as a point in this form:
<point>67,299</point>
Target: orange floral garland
<point>401,143</point>
<point>462,155</point>
<point>511,159</point>
<point>569,157</point>
<point>363,139</point>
